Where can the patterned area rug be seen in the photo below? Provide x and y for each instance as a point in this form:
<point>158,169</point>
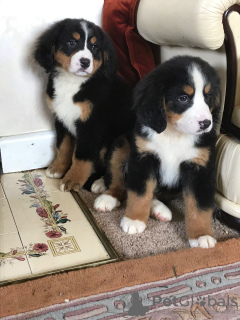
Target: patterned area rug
<point>187,284</point>
<point>212,293</point>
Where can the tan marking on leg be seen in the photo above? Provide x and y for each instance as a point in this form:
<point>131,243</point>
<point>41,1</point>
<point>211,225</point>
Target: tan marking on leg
<point>78,174</point>
<point>203,157</point>
<point>86,108</point>
<point>49,103</point>
<point>63,161</point>
<point>63,60</point>
<point>76,35</point>
<point>117,187</point>
<point>198,222</point>
<point>207,88</point>
<point>188,90</point>
<point>93,40</point>
<point>138,207</point>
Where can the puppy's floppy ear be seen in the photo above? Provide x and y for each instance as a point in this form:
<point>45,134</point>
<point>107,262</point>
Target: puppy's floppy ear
<point>110,61</point>
<point>45,46</point>
<point>149,102</point>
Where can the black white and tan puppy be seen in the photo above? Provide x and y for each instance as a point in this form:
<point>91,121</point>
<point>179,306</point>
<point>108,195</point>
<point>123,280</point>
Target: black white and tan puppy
<point>172,148</point>
<point>90,102</point>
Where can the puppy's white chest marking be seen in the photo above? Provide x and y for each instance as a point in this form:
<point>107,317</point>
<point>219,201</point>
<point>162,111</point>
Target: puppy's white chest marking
<point>66,85</point>
<point>172,148</point>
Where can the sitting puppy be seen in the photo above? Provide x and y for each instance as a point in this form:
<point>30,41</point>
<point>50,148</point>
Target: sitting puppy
<point>172,148</point>
<point>91,104</point>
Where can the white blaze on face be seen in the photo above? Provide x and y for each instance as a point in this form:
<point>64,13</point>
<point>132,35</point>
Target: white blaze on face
<point>199,111</point>
<point>75,66</point>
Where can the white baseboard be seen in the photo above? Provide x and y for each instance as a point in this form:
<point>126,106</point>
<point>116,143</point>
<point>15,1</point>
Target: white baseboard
<point>27,151</point>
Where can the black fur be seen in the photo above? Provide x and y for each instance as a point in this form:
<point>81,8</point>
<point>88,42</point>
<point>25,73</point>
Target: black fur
<point>60,33</point>
<point>160,87</point>
<point>110,98</point>
<point>161,99</point>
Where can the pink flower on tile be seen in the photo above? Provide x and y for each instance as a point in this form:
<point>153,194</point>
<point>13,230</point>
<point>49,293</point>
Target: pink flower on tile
<point>14,251</point>
<point>20,258</point>
<point>38,182</point>
<point>53,234</point>
<point>41,247</point>
<point>42,212</point>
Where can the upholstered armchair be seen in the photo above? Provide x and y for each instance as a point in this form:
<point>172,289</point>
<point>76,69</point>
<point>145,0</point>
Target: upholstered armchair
<point>147,30</point>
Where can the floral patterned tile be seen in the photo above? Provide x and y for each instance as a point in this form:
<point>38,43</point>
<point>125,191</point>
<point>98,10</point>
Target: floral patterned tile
<point>7,224</point>
<point>49,185</point>
<point>16,184</point>
<point>52,212</point>
<point>78,246</point>
<point>51,233</point>
<point>13,260</point>
<point>35,207</point>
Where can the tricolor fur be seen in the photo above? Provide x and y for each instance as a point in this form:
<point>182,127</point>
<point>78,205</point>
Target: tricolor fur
<point>91,104</point>
<point>172,148</point>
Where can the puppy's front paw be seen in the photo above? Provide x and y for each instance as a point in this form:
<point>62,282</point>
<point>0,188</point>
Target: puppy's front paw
<point>69,183</point>
<point>53,173</point>
<point>98,186</point>
<point>106,203</point>
<point>203,242</point>
<point>160,211</point>
<point>132,226</point>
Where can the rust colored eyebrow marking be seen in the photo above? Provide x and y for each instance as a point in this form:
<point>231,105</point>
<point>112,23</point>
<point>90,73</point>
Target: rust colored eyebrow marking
<point>207,88</point>
<point>93,40</point>
<point>76,35</point>
<point>188,90</point>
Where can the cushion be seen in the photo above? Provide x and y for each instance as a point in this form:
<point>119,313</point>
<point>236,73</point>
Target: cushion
<point>134,53</point>
<point>186,23</point>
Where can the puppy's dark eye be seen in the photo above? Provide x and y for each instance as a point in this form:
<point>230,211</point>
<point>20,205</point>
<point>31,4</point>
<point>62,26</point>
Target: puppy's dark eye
<point>208,97</point>
<point>183,99</point>
<point>72,43</point>
<point>94,47</point>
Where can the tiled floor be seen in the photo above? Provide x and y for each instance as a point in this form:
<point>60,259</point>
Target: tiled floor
<point>42,229</point>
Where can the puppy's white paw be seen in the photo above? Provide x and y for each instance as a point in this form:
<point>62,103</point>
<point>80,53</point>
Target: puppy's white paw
<point>160,211</point>
<point>50,173</point>
<point>105,203</point>
<point>203,242</point>
<point>98,186</point>
<point>132,226</point>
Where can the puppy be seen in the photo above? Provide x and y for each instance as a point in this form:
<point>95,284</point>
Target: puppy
<point>172,148</point>
<point>91,104</point>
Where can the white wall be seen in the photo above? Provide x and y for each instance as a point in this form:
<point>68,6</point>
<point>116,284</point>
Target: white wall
<point>22,105</point>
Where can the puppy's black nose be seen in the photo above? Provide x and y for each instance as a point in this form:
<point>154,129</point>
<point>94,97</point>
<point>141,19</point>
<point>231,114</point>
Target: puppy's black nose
<point>204,124</point>
<point>85,63</point>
